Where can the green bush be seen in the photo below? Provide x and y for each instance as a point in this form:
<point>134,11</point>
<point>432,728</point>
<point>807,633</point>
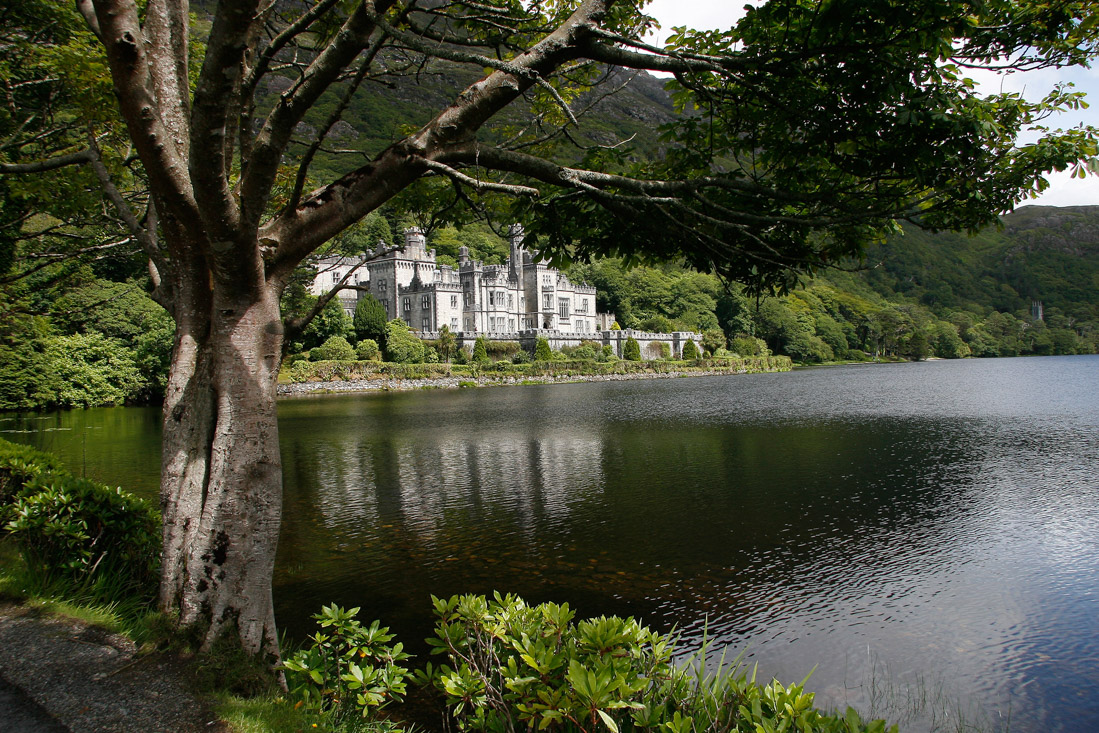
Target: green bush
<point>20,464</point>
<point>502,349</point>
<point>74,530</point>
<point>401,345</point>
<point>348,669</point>
<point>367,350</point>
<point>335,348</point>
<point>690,351</point>
<point>631,351</point>
<point>480,351</point>
<point>583,353</point>
<point>542,350</point>
<point>511,666</point>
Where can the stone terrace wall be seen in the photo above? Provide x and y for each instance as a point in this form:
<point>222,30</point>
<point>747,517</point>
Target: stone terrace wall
<point>649,342</point>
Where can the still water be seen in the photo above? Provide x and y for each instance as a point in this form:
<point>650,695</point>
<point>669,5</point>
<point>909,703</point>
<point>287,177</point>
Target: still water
<point>913,531</point>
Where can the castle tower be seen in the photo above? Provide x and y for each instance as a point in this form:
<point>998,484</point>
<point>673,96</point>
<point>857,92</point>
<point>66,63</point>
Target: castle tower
<point>515,262</point>
<point>415,243</point>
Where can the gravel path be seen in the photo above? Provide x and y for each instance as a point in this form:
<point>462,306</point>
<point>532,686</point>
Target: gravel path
<point>90,680</point>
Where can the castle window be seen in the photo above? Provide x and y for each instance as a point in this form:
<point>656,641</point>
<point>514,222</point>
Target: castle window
<point>563,307</point>
<point>335,277</point>
<point>426,322</point>
<point>547,301</point>
<point>453,324</point>
<point>468,297</point>
<point>511,301</point>
<point>511,324</point>
<point>407,304</point>
<point>425,302</point>
<point>454,302</point>
<point>381,285</point>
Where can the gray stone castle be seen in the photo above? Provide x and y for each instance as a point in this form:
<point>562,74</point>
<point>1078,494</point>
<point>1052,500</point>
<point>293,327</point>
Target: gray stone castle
<point>520,300</point>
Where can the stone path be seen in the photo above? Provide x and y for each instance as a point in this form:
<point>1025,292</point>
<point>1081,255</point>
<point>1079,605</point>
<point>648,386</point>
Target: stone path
<point>86,680</point>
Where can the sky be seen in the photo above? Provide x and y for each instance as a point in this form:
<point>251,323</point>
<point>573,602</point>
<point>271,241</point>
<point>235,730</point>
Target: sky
<point>1063,190</point>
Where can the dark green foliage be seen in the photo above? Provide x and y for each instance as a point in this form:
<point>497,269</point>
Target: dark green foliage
<point>631,350</point>
<point>401,345</point>
<point>369,321</point>
<point>514,666</point>
<point>331,321</point>
<point>502,349</point>
<point>690,351</point>
<point>480,351</point>
<point>77,531</point>
<point>542,350</point>
<point>713,339</point>
<point>446,343</point>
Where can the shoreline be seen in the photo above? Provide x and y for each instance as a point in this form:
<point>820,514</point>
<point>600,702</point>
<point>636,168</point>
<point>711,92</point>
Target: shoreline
<point>385,383</point>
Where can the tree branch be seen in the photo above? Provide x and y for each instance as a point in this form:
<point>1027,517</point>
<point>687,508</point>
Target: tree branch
<point>42,166</point>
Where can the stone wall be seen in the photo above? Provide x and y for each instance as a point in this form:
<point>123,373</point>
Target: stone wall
<point>650,343</point>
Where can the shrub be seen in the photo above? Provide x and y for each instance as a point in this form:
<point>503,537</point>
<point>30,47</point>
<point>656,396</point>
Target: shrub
<point>292,359</point>
<point>20,464</point>
<point>746,345</point>
<point>631,351</point>
<point>367,350</point>
<point>480,351</point>
<point>335,348</point>
<point>431,356</point>
<point>542,350</point>
<point>348,668</point>
<point>690,351</point>
<point>77,531</point>
<point>521,357</point>
<point>512,666</point>
<point>583,353</point>
<point>401,345</point>
<point>502,349</point>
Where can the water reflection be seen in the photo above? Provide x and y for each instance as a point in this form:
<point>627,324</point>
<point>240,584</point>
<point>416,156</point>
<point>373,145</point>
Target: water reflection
<point>936,522</point>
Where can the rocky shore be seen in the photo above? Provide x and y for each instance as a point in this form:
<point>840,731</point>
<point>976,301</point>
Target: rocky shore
<point>383,383</point>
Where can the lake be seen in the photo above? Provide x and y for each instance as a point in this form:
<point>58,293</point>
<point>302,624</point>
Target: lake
<point>926,535</point>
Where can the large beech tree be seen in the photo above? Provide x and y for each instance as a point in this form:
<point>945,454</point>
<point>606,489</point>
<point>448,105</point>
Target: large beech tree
<point>807,129</point>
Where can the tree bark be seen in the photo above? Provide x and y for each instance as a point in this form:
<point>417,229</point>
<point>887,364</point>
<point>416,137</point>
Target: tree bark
<point>221,485</point>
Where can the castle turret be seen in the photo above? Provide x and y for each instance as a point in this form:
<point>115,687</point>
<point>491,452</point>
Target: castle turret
<point>515,262</point>
<point>415,243</point>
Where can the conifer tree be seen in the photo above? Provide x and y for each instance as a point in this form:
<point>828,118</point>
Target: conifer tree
<point>542,350</point>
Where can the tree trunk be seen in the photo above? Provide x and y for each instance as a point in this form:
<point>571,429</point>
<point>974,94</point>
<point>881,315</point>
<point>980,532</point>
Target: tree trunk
<point>221,480</point>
